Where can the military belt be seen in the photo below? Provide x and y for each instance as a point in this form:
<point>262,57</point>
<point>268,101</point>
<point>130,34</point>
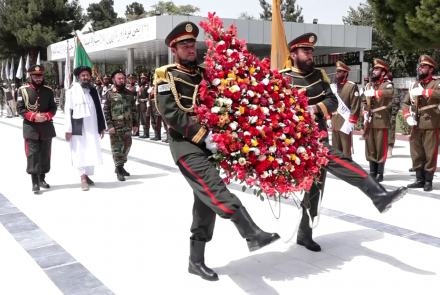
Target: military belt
<point>431,106</point>
<point>379,109</point>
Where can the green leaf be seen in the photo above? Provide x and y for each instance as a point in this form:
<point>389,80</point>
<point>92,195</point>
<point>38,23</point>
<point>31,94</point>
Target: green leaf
<point>255,191</point>
<point>243,189</point>
<point>261,198</point>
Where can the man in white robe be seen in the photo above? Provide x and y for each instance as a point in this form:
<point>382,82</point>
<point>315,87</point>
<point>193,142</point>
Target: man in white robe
<point>84,125</point>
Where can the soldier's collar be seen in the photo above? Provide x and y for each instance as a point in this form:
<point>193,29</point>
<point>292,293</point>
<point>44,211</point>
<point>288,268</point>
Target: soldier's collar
<point>427,80</point>
<point>343,82</point>
<point>185,69</point>
<point>296,70</point>
<point>379,82</point>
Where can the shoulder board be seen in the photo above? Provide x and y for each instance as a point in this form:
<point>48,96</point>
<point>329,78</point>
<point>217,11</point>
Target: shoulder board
<point>324,75</point>
<point>286,70</point>
<point>351,82</point>
<point>48,87</point>
<point>160,73</point>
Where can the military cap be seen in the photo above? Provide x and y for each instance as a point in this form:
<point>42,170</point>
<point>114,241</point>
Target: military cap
<point>143,75</point>
<point>106,77</point>
<point>132,76</point>
<point>36,70</point>
<point>305,40</point>
<point>427,60</point>
<point>78,70</point>
<point>340,66</point>
<point>117,72</point>
<point>378,63</point>
<point>367,79</point>
<point>182,32</point>
<point>389,76</point>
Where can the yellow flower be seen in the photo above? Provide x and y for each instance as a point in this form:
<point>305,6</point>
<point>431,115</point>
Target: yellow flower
<point>282,110</point>
<point>276,88</point>
<point>231,75</point>
<point>254,142</point>
<point>299,135</point>
<point>254,83</point>
<point>293,157</point>
<point>292,100</point>
<point>301,118</point>
<point>224,81</point>
<point>242,110</point>
<point>252,70</point>
<point>271,158</point>
<point>245,149</point>
<point>239,80</point>
<point>287,141</point>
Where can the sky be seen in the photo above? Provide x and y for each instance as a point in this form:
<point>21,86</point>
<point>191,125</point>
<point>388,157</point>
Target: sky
<point>327,12</point>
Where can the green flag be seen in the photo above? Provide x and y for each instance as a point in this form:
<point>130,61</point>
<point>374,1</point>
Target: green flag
<point>81,57</point>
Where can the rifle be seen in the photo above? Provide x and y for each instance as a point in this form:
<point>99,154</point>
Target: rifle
<point>367,123</point>
<point>416,108</point>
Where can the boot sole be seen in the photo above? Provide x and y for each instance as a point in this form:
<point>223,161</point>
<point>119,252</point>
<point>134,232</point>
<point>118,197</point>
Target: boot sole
<point>309,248</point>
<point>205,278</point>
<point>253,248</point>
<point>395,199</point>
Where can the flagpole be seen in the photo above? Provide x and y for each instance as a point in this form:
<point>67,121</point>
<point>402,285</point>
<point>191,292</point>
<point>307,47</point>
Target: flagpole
<point>96,68</point>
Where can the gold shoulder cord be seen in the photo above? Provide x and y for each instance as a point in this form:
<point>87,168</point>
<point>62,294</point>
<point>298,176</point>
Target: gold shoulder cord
<point>176,95</point>
<point>30,107</point>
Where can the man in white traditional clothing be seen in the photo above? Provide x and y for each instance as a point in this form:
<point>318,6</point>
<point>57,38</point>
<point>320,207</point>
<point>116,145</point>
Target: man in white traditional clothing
<point>84,122</point>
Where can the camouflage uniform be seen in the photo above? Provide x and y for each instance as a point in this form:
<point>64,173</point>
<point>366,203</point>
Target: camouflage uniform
<point>393,108</point>
<point>120,113</point>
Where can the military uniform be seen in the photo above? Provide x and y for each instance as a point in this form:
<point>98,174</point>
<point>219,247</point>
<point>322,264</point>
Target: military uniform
<point>143,97</point>
<point>424,147</point>
<point>176,89</point>
<point>34,99</point>
<point>120,113</point>
<point>317,87</point>
<point>156,117</point>
<point>133,88</point>
<point>376,141</point>
<point>393,108</point>
<point>349,94</point>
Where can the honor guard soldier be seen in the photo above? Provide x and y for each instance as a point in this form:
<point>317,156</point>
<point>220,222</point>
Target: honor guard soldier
<point>176,87</point>
<point>36,104</point>
<point>122,118</point>
<point>393,108</point>
<point>343,120</point>
<point>424,146</point>
<point>133,87</point>
<point>142,97</point>
<point>305,77</point>
<point>377,96</point>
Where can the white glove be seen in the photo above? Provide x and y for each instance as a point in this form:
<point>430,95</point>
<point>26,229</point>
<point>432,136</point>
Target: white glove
<point>369,93</point>
<point>351,125</point>
<point>310,110</point>
<point>411,121</point>
<point>366,117</point>
<point>212,146</point>
<point>418,91</point>
<point>149,90</point>
<point>329,124</point>
<point>148,103</point>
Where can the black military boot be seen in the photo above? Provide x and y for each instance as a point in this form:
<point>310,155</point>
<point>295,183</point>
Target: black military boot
<point>135,134</point>
<point>146,133</point>
<point>43,182</point>
<point>381,198</point>
<point>380,170</point>
<point>35,184</point>
<point>255,237</point>
<point>373,169</point>
<point>124,172</point>
<point>156,136</point>
<point>428,181</point>
<point>411,170</point>
<point>304,237</point>
<point>197,262</point>
<point>120,173</point>
<point>420,180</point>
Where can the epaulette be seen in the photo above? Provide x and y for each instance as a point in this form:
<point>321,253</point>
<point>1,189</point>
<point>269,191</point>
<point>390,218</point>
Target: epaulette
<point>24,86</point>
<point>286,70</point>
<point>324,75</point>
<point>160,73</point>
<point>48,87</point>
<point>351,82</point>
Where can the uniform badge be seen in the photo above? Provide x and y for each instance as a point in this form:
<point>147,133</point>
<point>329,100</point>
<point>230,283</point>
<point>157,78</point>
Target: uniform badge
<point>312,38</point>
<point>389,85</point>
<point>20,98</point>
<point>37,69</point>
<point>189,28</point>
<point>163,87</point>
<point>356,93</point>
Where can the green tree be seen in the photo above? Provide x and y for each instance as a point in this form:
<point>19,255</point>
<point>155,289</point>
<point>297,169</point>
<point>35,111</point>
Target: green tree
<point>426,21</point>
<point>31,25</point>
<point>245,15</point>
<point>135,11</point>
<point>103,15</point>
<point>169,8</point>
<point>290,12</point>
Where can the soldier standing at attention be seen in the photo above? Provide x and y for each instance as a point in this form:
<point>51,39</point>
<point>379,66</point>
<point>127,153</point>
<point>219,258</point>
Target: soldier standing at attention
<point>121,116</point>
<point>424,147</point>
<point>305,77</point>
<point>188,145</point>
<point>393,108</point>
<point>142,97</point>
<point>36,104</point>
<point>379,92</point>
<point>133,87</point>
<point>349,107</point>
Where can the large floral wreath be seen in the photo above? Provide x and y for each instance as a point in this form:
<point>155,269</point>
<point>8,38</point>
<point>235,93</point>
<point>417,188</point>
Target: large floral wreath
<point>265,138</point>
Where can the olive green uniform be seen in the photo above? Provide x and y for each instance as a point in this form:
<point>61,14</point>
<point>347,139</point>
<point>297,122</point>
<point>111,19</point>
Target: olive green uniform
<point>393,108</point>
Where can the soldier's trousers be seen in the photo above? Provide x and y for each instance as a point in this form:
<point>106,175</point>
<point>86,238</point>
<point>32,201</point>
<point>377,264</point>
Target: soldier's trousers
<point>144,117</point>
<point>156,118</point>
<point>392,134</point>
<point>340,166</point>
<point>211,196</point>
<point>376,145</point>
<point>38,155</point>
<point>424,150</point>
<point>342,142</point>
<point>120,143</point>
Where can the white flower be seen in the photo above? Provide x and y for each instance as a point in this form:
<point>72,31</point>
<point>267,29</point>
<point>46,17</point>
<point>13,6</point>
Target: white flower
<point>253,106</point>
<point>295,117</point>
<point>233,154</point>
<point>221,42</point>
<point>270,172</point>
<point>283,137</point>
<point>233,125</point>
<point>275,171</point>
<point>244,100</point>
<point>301,150</point>
<point>281,124</point>
<point>280,161</point>
<point>258,68</point>
<point>216,81</point>
<point>215,110</point>
<point>292,140</point>
<point>265,81</point>
<point>229,52</point>
<point>253,79</point>
<point>218,67</point>
<point>262,158</point>
<point>234,88</point>
<point>259,128</point>
<point>270,100</point>
<point>257,152</point>
<point>264,175</point>
<point>253,119</point>
<point>247,133</point>
<point>234,162</point>
<point>242,161</point>
<point>272,149</point>
<point>237,114</point>
<point>297,161</point>
<point>265,110</point>
<point>250,93</point>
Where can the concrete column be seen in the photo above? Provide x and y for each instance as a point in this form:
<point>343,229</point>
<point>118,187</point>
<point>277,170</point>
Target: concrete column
<point>158,61</point>
<point>60,72</point>
<point>361,56</point>
<point>170,56</point>
<point>104,71</point>
<point>130,61</point>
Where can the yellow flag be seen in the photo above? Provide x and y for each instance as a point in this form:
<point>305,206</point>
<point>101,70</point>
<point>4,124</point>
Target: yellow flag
<point>280,52</point>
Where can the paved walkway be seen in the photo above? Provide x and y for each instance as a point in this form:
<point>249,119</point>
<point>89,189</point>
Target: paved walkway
<point>132,237</point>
